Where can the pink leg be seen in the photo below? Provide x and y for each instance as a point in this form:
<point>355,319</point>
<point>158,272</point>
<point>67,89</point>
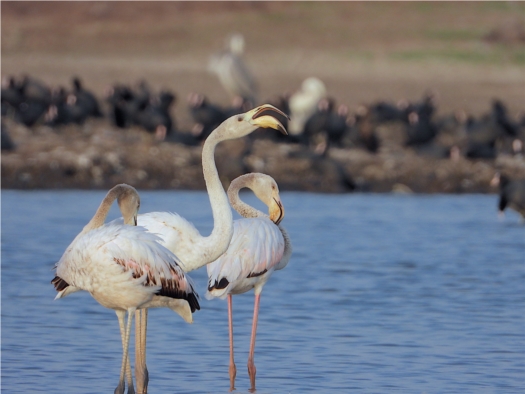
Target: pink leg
<point>251,364</point>
<point>232,369</point>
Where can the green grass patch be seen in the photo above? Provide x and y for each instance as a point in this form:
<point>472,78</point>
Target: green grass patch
<point>498,55</point>
<point>514,6</point>
<point>519,57</point>
<point>423,6</point>
<point>365,56</point>
<point>275,17</point>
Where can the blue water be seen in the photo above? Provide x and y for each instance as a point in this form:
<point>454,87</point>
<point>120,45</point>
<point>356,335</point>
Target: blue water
<point>384,293</point>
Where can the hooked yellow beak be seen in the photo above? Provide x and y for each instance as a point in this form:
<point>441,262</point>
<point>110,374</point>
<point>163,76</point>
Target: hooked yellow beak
<point>276,211</point>
<point>256,118</point>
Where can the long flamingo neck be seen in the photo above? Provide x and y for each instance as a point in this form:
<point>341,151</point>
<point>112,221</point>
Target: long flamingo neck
<point>245,210</point>
<point>217,242</point>
<point>102,212</point>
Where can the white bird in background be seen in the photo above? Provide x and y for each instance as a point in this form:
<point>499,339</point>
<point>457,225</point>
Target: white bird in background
<point>259,246</point>
<point>303,103</point>
<point>124,268</point>
<point>180,236</point>
<point>232,72</point>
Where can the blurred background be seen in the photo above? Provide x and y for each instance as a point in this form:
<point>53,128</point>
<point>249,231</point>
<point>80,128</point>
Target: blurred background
<point>411,292</point>
<point>458,67</point>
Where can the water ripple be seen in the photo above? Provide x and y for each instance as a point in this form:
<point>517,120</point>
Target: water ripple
<point>383,293</point>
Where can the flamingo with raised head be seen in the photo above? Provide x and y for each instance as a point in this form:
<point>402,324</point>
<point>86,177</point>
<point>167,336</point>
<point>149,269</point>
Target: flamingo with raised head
<point>124,268</point>
<point>180,236</point>
<point>259,246</point>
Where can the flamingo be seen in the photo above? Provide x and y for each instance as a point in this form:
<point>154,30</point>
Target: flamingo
<point>125,268</point>
<point>259,247</point>
<point>180,236</point>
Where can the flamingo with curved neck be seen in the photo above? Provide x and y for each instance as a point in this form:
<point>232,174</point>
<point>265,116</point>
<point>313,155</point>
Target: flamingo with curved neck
<point>180,236</point>
<point>124,268</point>
<point>259,246</point>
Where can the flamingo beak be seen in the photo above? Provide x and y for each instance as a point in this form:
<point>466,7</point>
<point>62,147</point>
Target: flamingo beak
<point>276,211</point>
<point>256,117</point>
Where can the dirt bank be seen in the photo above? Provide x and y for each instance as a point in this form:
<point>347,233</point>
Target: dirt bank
<point>97,155</point>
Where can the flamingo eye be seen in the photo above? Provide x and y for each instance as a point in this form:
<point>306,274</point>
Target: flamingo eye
<point>239,118</point>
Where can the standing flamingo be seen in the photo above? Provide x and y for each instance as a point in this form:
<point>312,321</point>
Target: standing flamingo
<point>259,246</point>
<point>125,268</point>
<point>180,236</point>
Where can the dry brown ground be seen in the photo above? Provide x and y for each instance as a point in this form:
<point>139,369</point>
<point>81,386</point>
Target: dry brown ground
<point>363,51</point>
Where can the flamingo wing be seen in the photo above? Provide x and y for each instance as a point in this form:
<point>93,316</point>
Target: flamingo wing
<point>257,246</point>
<point>176,233</point>
<point>123,254</point>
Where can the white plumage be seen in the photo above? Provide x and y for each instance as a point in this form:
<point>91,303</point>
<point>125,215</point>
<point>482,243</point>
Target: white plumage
<point>124,268</point>
<point>180,236</point>
<point>255,250</point>
<point>259,246</point>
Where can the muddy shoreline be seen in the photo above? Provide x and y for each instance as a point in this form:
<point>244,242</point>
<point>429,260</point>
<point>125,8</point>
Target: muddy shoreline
<point>98,156</point>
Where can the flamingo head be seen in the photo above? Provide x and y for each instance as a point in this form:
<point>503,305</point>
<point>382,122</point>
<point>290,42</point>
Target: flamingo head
<point>240,125</point>
<point>129,203</point>
<point>266,190</point>
<point>264,116</point>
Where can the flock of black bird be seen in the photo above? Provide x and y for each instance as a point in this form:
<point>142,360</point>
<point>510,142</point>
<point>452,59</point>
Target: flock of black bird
<point>31,102</point>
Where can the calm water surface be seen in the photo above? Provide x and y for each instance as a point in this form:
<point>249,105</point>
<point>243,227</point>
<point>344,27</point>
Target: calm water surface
<point>384,293</point>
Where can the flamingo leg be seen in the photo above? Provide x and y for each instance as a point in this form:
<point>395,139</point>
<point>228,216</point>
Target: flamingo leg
<point>125,354</point>
<point>251,365</point>
<point>141,371</point>
<point>121,323</point>
<point>232,369</point>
